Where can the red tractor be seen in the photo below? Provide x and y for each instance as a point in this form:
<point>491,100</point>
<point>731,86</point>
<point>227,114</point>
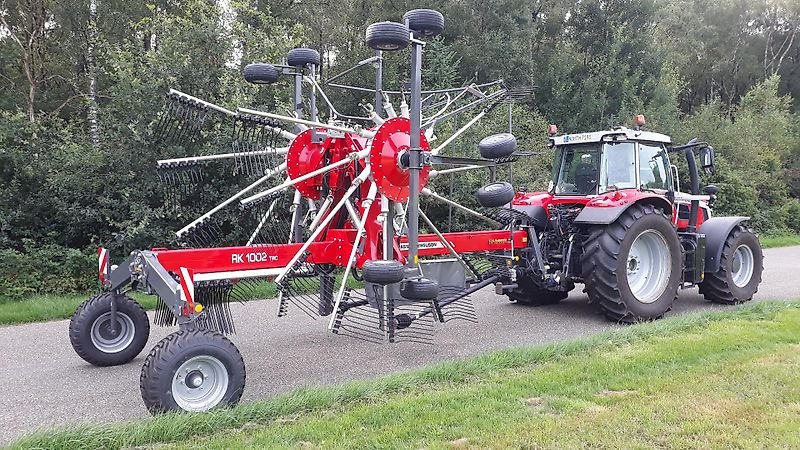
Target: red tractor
<point>614,218</point>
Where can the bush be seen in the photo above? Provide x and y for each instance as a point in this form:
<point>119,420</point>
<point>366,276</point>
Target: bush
<point>792,210</point>
<point>51,270</point>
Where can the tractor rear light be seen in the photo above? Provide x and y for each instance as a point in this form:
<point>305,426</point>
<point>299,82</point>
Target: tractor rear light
<point>552,129</point>
<point>640,122</point>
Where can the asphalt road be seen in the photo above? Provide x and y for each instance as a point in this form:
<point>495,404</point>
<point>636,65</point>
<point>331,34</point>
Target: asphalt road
<point>43,383</point>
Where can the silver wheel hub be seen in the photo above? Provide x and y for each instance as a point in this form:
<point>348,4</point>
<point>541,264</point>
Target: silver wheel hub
<point>200,383</point>
<point>742,266</point>
<point>112,341</point>
<point>648,266</point>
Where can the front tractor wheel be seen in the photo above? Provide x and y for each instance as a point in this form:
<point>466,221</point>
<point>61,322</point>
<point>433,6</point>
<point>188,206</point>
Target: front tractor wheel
<point>740,267</point>
<point>192,370</point>
<point>632,267</point>
<point>98,342</point>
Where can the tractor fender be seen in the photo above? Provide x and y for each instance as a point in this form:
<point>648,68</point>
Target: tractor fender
<point>606,209</point>
<point>717,230</point>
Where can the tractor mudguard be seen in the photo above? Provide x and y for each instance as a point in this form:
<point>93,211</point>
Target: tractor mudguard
<point>606,214</point>
<point>717,230</point>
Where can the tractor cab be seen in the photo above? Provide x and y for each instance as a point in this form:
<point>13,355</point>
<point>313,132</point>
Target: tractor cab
<point>596,163</point>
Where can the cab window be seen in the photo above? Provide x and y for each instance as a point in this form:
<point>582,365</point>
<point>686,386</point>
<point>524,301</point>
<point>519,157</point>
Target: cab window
<point>578,170</point>
<point>653,168</point>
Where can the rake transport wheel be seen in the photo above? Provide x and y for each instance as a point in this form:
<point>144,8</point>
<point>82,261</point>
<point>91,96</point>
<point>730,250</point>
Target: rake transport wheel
<point>426,22</point>
<point>387,36</point>
<point>302,57</point>
<point>93,339</point>
<point>259,73</point>
<point>740,268</point>
<point>495,195</point>
<point>632,267</point>
<point>383,272</point>
<point>192,370</point>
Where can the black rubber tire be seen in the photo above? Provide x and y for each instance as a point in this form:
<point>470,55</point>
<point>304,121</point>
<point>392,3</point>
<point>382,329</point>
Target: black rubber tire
<point>419,289</point>
<point>529,294</point>
<point>605,255</point>
<point>260,73</point>
<point>80,329</point>
<point>155,381</point>
<point>719,287</point>
<point>387,36</point>
<point>498,146</point>
<point>302,57</point>
<point>495,195</point>
<point>425,22</point>
<point>403,321</point>
<point>383,271</point>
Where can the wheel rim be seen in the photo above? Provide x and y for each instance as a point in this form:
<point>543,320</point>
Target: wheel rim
<point>742,266</point>
<point>200,383</point>
<point>648,266</point>
<point>108,342</point>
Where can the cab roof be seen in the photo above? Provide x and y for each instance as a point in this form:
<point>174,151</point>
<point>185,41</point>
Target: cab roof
<point>621,133</point>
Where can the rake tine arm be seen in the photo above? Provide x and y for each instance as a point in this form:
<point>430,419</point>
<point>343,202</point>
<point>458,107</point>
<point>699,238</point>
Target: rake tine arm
<point>458,132</point>
<point>323,208</point>
<point>446,243</point>
<point>372,193</point>
<point>357,131</point>
<point>291,182</point>
<point>436,173</point>
<point>202,102</point>
<point>261,223</point>
<point>429,193</point>
<point>193,159</point>
<point>466,107</point>
<point>322,226</point>
<point>296,199</point>
<point>230,200</point>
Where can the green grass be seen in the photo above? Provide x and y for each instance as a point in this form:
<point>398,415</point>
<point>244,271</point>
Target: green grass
<point>45,307</point>
<point>779,240</point>
<point>718,379</point>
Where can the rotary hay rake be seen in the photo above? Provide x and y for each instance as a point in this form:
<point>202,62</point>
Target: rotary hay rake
<point>329,212</point>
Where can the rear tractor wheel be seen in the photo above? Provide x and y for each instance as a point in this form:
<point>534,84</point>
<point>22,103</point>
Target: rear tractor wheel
<point>632,267</point>
<point>192,370</point>
<point>740,267</point>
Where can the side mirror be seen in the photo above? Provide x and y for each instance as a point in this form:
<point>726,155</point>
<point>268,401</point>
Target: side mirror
<point>707,159</point>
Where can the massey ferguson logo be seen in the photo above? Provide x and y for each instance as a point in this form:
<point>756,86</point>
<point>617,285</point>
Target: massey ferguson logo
<point>424,245</point>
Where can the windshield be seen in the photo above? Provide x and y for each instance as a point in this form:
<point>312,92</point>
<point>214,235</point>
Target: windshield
<point>618,168</point>
<point>577,174</point>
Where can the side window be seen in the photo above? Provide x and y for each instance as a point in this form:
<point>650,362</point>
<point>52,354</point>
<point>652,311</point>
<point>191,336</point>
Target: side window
<point>653,167</point>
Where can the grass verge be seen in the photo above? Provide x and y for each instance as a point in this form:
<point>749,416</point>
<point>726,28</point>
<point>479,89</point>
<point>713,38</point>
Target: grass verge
<point>46,307</point>
<point>42,308</point>
<point>717,379</point>
<point>780,240</point>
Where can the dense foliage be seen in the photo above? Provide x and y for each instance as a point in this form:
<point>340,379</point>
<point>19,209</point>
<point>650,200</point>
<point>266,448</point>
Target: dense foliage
<point>725,71</point>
